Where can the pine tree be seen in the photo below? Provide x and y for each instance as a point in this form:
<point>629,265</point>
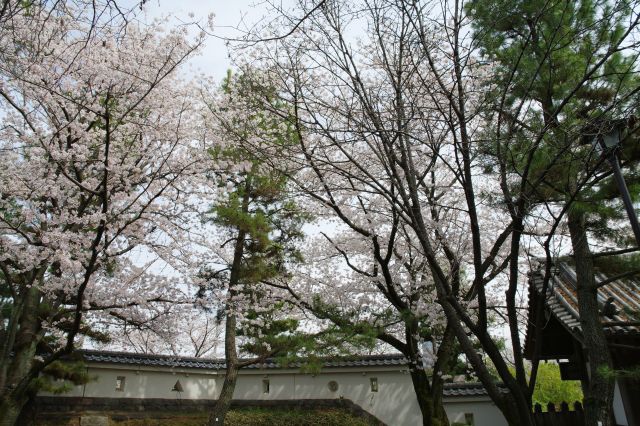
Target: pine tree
<point>561,68</point>
<point>263,225</point>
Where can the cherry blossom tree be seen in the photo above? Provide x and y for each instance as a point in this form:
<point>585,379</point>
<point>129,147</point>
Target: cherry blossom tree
<point>389,103</point>
<point>101,156</point>
<point>376,287</point>
<point>385,269</point>
<point>180,329</point>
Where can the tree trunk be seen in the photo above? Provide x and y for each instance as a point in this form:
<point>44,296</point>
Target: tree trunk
<point>515,405</point>
<point>15,393</point>
<point>598,392</point>
<point>15,400</point>
<point>223,403</point>
<point>434,407</point>
<point>9,410</point>
<point>431,407</point>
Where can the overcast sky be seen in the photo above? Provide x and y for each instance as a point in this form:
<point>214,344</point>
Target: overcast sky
<point>230,16</point>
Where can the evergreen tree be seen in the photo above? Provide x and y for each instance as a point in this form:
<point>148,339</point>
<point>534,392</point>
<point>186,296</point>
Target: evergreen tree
<point>563,73</point>
<point>263,225</point>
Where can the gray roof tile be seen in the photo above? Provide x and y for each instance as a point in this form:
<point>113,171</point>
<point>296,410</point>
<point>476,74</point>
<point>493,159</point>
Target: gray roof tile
<point>217,364</point>
<point>563,302</point>
<point>467,389</point>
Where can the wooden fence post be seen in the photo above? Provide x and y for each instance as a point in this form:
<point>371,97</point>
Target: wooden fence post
<point>563,417</point>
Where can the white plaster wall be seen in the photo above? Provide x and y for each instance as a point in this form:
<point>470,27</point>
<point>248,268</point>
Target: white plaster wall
<point>249,386</point>
<point>150,384</point>
<point>485,413</point>
<point>146,384</point>
<point>395,402</point>
<point>618,406</point>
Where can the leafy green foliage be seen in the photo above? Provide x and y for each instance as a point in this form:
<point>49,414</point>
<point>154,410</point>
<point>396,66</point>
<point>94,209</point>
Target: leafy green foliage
<point>263,223</point>
<point>61,376</point>
<point>551,388</point>
<point>631,373</point>
<point>545,53</point>
<point>612,265</point>
<point>257,203</point>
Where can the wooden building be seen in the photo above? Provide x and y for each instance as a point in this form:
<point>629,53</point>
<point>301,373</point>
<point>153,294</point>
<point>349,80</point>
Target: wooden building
<point>561,334</point>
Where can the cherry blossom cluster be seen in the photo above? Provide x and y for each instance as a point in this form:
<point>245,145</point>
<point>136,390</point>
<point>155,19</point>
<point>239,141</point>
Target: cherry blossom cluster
<point>103,164</point>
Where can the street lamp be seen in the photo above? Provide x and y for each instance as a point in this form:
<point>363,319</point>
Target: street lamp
<point>608,144</point>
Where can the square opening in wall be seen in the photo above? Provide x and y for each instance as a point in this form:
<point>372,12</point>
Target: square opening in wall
<point>468,418</point>
<point>374,384</point>
<point>120,383</point>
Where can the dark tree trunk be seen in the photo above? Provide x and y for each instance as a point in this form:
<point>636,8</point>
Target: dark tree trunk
<point>598,392</point>
<point>444,356</point>
<point>433,413</point>
<point>223,403</point>
<point>9,410</point>
<point>14,404</point>
<point>17,372</point>
<point>514,405</point>
<point>428,393</point>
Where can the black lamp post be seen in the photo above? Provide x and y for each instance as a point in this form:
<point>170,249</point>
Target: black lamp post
<point>608,143</point>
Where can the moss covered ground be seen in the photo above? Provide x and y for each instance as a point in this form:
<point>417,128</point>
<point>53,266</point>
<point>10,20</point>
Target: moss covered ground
<point>236,417</point>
